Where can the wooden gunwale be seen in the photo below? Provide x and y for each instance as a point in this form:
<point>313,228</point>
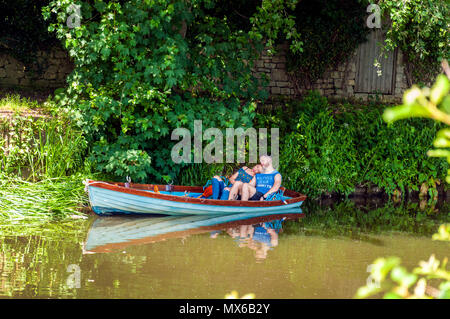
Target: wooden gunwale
<point>185,233</point>
<point>138,189</point>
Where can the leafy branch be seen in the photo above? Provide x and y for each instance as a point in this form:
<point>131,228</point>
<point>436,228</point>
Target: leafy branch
<point>433,103</point>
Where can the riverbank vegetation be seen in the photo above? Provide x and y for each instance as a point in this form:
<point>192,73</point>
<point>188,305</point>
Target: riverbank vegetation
<point>327,148</point>
<point>130,92</point>
<point>324,147</point>
<point>389,276</point>
<point>42,159</point>
<point>127,93</point>
<point>39,141</point>
<point>40,201</point>
<point>333,147</point>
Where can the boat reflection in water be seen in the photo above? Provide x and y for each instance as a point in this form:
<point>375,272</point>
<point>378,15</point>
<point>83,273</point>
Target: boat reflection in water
<point>257,231</point>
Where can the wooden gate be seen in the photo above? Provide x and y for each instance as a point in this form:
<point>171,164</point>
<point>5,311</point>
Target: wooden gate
<point>367,79</point>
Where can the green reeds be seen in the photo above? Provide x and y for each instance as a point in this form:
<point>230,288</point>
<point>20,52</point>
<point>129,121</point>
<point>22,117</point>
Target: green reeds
<point>58,151</point>
<point>36,146</point>
<point>42,201</point>
<point>16,103</point>
<point>41,157</point>
<point>42,148</point>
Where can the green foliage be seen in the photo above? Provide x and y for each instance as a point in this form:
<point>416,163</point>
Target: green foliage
<point>198,174</point>
<point>420,28</point>
<point>39,146</point>
<point>41,201</point>
<point>332,148</point>
<point>331,31</point>
<point>274,20</point>
<point>431,103</point>
<point>144,68</point>
<point>393,279</point>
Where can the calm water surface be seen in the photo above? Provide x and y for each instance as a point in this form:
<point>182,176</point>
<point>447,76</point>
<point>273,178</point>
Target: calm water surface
<point>323,253</point>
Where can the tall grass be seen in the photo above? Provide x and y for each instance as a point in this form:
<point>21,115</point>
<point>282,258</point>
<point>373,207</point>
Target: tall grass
<point>58,150</point>
<point>42,161</point>
<point>40,147</point>
<point>16,103</point>
<point>41,201</point>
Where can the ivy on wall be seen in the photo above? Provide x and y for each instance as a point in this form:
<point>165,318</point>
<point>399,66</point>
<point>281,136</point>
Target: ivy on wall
<point>420,28</point>
<point>331,30</point>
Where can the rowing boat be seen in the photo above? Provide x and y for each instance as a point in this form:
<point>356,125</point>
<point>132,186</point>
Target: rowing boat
<point>108,198</point>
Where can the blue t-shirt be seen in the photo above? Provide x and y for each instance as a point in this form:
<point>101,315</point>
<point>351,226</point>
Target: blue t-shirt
<point>264,182</point>
<point>260,234</point>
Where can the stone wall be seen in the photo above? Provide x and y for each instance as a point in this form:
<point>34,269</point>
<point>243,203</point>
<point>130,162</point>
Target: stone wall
<point>55,66</point>
<point>340,82</point>
<point>336,83</point>
<point>274,67</point>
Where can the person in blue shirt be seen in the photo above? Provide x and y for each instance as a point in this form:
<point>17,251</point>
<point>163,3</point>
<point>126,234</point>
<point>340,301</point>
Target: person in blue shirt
<point>243,175</point>
<point>263,184</point>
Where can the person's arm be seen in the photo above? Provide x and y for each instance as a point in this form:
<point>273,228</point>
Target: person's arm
<point>253,181</point>
<point>273,237</point>
<point>232,178</point>
<point>276,186</point>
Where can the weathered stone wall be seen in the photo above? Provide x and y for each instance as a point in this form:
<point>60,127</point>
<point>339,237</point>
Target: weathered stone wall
<point>274,67</point>
<point>340,82</point>
<point>55,66</point>
<point>336,83</point>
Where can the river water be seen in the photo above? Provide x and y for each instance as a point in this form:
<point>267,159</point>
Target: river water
<point>323,252</point>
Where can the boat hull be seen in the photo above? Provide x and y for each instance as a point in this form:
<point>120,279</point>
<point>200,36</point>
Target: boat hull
<point>108,199</point>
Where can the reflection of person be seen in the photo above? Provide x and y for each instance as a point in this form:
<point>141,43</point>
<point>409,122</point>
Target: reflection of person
<point>259,237</point>
<point>241,233</point>
<point>263,184</point>
<point>264,238</point>
<point>265,235</point>
<point>243,175</point>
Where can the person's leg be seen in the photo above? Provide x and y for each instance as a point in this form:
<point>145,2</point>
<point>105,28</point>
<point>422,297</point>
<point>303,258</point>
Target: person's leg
<point>225,193</point>
<point>239,194</point>
<point>246,231</point>
<point>217,187</point>
<point>234,190</point>
<point>247,191</point>
<point>256,196</point>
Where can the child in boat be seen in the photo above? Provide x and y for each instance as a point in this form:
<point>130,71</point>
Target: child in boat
<point>243,175</point>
